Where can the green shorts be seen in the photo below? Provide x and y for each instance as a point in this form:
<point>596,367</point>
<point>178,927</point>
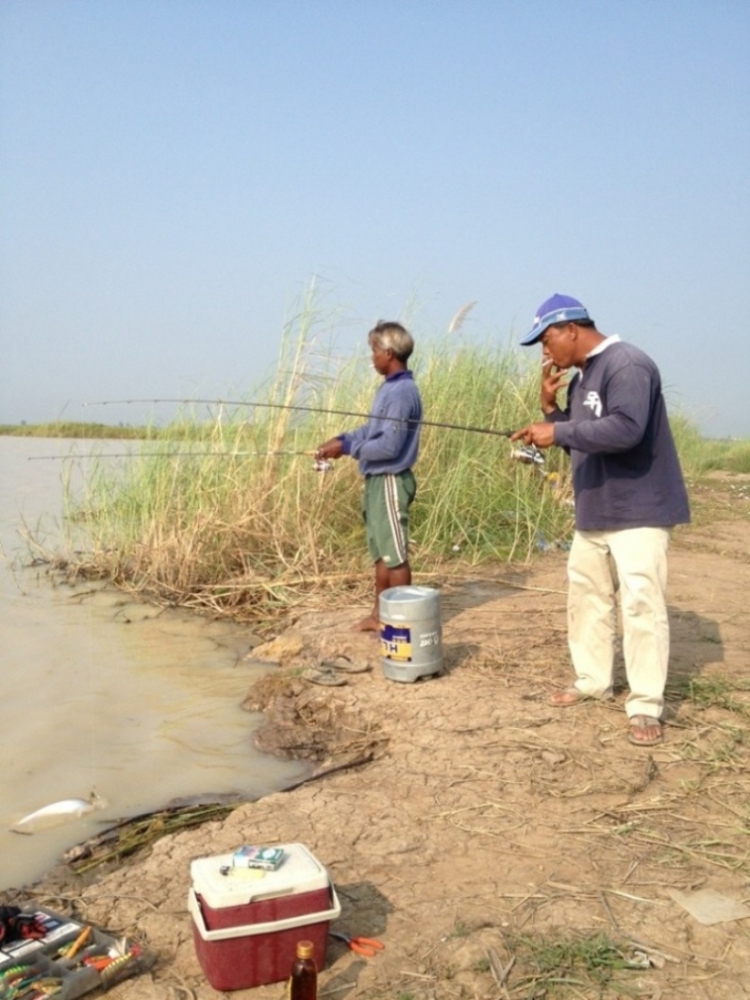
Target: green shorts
<point>385,507</point>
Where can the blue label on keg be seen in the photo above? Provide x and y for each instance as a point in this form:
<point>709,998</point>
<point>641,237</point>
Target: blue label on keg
<point>396,642</point>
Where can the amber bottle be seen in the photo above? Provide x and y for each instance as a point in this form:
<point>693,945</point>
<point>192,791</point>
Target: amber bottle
<point>303,983</point>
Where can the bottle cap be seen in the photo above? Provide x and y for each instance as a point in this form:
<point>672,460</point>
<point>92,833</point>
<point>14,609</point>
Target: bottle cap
<point>305,949</point>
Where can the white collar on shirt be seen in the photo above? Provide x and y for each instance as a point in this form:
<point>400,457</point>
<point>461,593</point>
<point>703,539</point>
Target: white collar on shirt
<point>614,339</point>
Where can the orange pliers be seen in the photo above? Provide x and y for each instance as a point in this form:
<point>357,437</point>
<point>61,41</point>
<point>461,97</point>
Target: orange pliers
<point>369,947</point>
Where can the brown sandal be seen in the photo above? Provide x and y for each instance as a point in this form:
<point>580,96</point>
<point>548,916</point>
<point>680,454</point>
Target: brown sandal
<point>326,678</point>
<point>346,666</point>
<point>637,727</point>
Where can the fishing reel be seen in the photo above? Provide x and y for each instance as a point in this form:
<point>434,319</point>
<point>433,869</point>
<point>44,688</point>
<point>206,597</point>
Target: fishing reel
<point>322,465</point>
<point>528,454</point>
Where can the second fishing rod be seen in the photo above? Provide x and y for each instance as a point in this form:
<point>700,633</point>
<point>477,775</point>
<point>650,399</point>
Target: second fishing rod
<point>304,409</point>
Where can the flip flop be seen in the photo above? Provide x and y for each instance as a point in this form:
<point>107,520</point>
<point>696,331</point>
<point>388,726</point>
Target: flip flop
<point>639,723</point>
<point>346,666</point>
<point>326,678</point>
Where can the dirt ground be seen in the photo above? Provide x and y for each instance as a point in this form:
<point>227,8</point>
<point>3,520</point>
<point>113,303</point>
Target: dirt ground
<point>475,824</point>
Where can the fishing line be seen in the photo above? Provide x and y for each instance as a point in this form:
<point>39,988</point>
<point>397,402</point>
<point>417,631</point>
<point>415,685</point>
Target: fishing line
<point>309,409</point>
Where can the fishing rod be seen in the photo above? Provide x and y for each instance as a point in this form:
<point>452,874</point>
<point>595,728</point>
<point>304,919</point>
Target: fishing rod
<point>527,454</point>
<point>309,409</point>
<point>165,454</point>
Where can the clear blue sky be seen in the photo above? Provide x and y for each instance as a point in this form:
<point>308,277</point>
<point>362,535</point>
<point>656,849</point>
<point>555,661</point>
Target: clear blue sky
<point>174,172</point>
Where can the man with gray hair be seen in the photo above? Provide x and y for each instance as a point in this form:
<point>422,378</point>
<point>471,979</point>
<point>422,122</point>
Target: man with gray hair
<point>386,448</point>
<point>629,493</point>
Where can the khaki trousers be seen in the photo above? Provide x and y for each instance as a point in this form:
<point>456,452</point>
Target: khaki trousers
<point>633,560</point>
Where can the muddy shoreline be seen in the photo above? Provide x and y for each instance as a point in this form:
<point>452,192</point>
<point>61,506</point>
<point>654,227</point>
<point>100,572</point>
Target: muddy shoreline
<point>299,723</point>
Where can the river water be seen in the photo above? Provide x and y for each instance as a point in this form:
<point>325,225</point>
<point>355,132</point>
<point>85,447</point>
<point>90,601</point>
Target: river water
<point>98,693</point>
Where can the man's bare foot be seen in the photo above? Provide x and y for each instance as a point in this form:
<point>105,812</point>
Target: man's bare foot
<point>566,697</point>
<point>369,624</point>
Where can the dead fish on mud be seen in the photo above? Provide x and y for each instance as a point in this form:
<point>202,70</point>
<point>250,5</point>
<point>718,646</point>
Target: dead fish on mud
<point>57,813</point>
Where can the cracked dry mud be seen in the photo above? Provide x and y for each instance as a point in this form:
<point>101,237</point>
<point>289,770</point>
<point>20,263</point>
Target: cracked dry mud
<point>483,818</point>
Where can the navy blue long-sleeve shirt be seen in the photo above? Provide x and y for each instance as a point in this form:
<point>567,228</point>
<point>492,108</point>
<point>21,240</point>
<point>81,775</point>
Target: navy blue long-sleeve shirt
<point>389,441</point>
<point>626,472</point>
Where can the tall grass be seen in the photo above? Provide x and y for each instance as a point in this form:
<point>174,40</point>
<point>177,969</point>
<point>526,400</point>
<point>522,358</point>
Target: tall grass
<point>96,431</point>
<point>700,455</point>
<point>474,497</point>
<point>242,523</point>
<point>75,429</point>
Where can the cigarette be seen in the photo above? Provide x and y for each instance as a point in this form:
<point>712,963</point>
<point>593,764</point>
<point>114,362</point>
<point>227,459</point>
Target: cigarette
<point>547,363</point>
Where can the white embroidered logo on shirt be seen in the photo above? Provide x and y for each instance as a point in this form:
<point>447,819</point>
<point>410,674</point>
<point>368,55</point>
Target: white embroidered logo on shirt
<point>592,400</point>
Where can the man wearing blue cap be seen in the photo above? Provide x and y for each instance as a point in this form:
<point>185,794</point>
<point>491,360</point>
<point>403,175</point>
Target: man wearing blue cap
<point>629,493</point>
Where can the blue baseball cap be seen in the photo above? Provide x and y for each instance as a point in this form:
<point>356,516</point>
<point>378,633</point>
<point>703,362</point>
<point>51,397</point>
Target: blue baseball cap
<point>558,309</point>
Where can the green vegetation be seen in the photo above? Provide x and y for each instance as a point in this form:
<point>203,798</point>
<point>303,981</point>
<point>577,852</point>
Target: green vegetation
<point>711,692</point>
<point>460,929</point>
<point>700,455</point>
<point>72,429</point>
<point>133,835</point>
<point>235,518</point>
<point>176,431</point>
<point>547,965</point>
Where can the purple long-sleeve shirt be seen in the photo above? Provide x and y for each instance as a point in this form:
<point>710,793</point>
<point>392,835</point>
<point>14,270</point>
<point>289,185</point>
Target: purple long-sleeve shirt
<point>626,472</point>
